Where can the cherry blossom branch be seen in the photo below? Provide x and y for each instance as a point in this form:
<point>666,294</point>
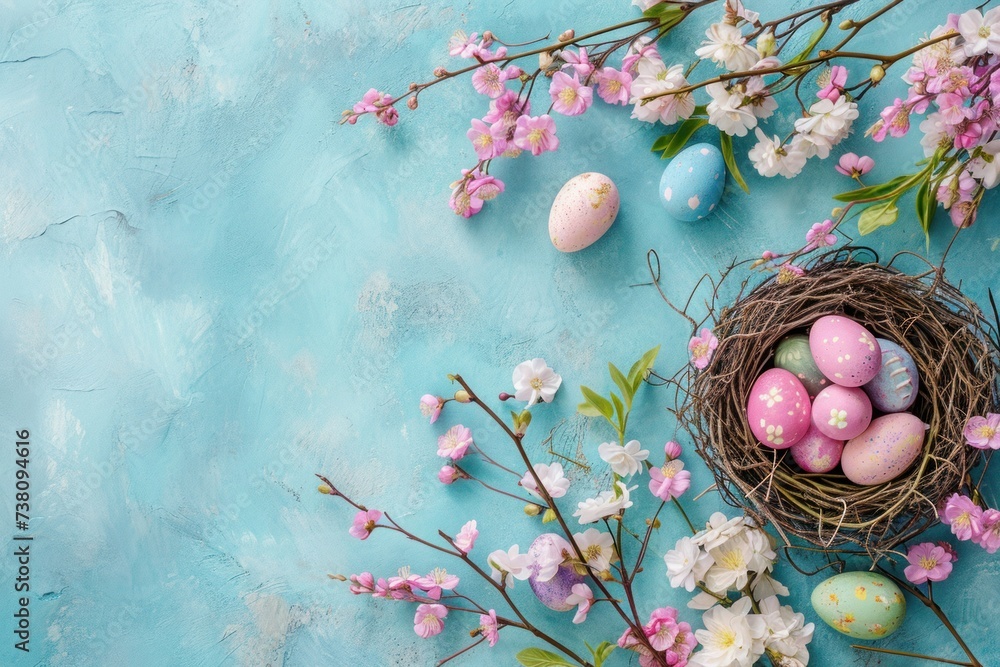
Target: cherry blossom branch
<point>460,652</point>
<point>907,654</point>
<point>493,488</point>
<point>490,460</point>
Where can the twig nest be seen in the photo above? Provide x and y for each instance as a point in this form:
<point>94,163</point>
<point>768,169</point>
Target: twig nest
<point>943,333</point>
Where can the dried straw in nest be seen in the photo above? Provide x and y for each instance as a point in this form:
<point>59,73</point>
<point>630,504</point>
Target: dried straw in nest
<point>949,339</point>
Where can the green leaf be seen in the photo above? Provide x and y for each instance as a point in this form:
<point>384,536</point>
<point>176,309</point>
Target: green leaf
<point>726,143</point>
<point>536,657</point>
<point>814,39</point>
<point>622,383</point>
<point>926,206</point>
<point>602,652</point>
<point>669,14</point>
<point>588,410</point>
<point>599,402</point>
<point>637,373</point>
<point>873,191</point>
<point>877,215</point>
<point>672,144</point>
<point>621,412</point>
<point>549,516</point>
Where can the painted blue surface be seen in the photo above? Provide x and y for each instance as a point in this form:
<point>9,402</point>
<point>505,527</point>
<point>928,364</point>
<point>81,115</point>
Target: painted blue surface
<point>210,291</point>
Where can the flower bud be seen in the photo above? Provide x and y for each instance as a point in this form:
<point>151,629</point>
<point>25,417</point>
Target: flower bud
<point>767,45</point>
<point>488,38</point>
<point>440,72</point>
<point>549,516</point>
<point>545,60</point>
<point>877,73</point>
<point>412,86</point>
<point>411,103</point>
<point>567,35</point>
<point>835,213</point>
<point>462,396</point>
<point>846,24</point>
<point>324,489</point>
<point>531,509</point>
<point>672,450</point>
<point>607,576</point>
<point>504,396</point>
<point>655,523</point>
<point>337,577</point>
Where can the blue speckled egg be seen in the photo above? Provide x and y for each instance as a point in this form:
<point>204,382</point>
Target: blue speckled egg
<point>894,388</point>
<point>692,183</point>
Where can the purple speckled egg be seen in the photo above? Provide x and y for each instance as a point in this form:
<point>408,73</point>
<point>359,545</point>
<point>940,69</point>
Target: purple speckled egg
<point>841,413</point>
<point>582,211</point>
<point>885,450</point>
<point>553,592</point>
<point>816,452</point>
<point>895,387</point>
<point>844,351</point>
<point>778,409</point>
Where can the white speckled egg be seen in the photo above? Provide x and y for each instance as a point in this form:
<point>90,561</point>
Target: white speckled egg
<point>844,350</point>
<point>841,413</point>
<point>816,452</point>
<point>552,592</point>
<point>693,182</point>
<point>895,387</point>
<point>885,450</point>
<point>582,211</point>
<point>778,409</point>
<point>863,605</point>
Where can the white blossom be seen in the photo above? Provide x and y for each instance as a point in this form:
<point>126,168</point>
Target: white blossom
<point>552,477</point>
<point>625,460</point>
<point>604,505</point>
<point>727,46</point>
<point>730,568</point>
<point>986,165</point>
<point>827,124</point>
<point>508,565</point>
<point>534,380</point>
<point>719,530</point>
<point>728,112</point>
<point>732,637</point>
<point>981,33</point>
<point>771,158</point>
<point>655,78</point>
<point>686,564</point>
<point>788,634</point>
<point>598,548</point>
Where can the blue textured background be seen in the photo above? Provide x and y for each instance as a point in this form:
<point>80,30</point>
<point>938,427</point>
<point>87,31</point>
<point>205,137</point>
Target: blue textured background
<point>211,291</point>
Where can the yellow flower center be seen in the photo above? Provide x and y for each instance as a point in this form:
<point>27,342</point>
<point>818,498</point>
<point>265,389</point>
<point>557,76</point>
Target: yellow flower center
<point>732,559</point>
<point>567,95</point>
<point>726,638</point>
<point>536,384</point>
<point>928,563</point>
<point>700,350</point>
<point>535,137</point>
<point>614,85</point>
<point>985,431</point>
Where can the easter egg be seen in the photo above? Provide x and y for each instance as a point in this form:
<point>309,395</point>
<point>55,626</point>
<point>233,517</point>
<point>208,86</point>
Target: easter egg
<point>863,605</point>
<point>816,452</point>
<point>553,591</point>
<point>778,409</point>
<point>582,211</point>
<point>794,356</point>
<point>894,388</point>
<point>885,450</point>
<point>693,182</point>
<point>844,351</point>
<point>841,413</point>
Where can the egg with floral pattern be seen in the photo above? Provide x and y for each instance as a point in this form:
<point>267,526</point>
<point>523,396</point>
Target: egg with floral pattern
<point>692,184</point>
<point>894,388</point>
<point>778,409</point>
<point>817,453</point>
<point>846,352</point>
<point>841,412</point>
<point>863,605</point>
<point>582,211</point>
<point>885,450</point>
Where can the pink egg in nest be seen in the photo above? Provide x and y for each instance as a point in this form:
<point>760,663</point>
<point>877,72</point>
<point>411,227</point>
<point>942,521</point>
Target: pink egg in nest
<point>816,452</point>
<point>778,409</point>
<point>845,352</point>
<point>842,413</point>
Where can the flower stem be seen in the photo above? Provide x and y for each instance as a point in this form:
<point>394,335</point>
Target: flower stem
<point>907,654</point>
<point>501,491</point>
<point>680,507</point>
<point>460,652</point>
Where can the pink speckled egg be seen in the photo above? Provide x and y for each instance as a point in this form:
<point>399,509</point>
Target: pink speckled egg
<point>816,452</point>
<point>885,450</point>
<point>841,413</point>
<point>582,211</point>
<point>844,351</point>
<point>778,409</point>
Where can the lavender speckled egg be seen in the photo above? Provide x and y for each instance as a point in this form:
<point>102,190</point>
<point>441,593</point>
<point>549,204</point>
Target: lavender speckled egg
<point>816,452</point>
<point>794,356</point>
<point>693,182</point>
<point>582,211</point>
<point>552,592</point>
<point>895,387</point>
<point>841,413</point>
<point>844,350</point>
<point>778,409</point>
<point>885,450</point>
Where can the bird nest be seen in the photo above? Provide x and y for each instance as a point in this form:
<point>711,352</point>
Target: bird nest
<point>951,342</point>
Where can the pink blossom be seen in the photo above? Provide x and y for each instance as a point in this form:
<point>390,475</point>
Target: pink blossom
<point>767,255</point>
<point>436,581</point>
<point>489,141</point>
<point>484,186</point>
<point>583,598</point>
<point>895,121</point>
<point>854,166</point>
<point>463,204</point>
<point>702,347</point>
<point>578,61</point>
<point>377,103</point>
<point>431,406</point>
<point>449,474</point>
<point>428,621</point>
<point>956,188</point>
<point>964,516</point>
<point>507,108</point>
<point>928,562</point>
<point>835,86</point>
<point>613,86</point>
<point>983,432</point>
<point>952,108</point>
<point>536,134</point>
<point>466,538</point>
<point>364,523</point>
<point>489,627</point>
<point>643,47</point>
<point>989,538</point>
<point>672,450</point>
<point>963,214</point>
<point>569,96</point>
<point>819,235</point>
<point>362,583</point>
<point>490,80</point>
<point>455,442</point>
<point>947,546</point>
<point>788,272</point>
<point>669,481</point>
<point>463,46</point>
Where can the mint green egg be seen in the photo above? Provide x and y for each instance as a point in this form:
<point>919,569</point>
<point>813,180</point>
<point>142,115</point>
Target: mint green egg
<point>863,605</point>
<point>794,356</point>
